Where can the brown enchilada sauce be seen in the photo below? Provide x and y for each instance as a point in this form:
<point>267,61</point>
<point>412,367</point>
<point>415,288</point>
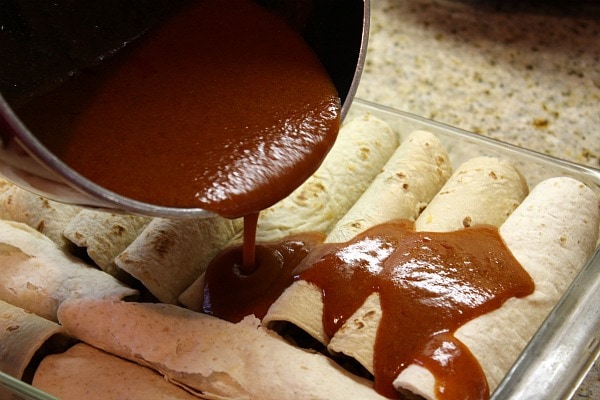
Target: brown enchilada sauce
<point>429,284</point>
<point>222,107</point>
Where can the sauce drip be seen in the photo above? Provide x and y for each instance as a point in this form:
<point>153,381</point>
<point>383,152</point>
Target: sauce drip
<point>222,107</point>
<point>429,285</point>
<point>249,248</point>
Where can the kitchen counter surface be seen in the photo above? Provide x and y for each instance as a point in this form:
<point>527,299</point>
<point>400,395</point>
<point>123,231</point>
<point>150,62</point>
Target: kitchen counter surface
<point>527,73</point>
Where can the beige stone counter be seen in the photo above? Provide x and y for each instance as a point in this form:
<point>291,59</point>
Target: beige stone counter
<point>525,73</point>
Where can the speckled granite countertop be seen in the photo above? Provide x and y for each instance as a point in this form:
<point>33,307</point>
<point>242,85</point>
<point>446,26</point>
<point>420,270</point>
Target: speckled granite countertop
<point>527,73</point>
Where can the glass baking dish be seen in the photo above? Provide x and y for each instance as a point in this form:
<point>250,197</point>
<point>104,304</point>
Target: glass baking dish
<point>558,357</point>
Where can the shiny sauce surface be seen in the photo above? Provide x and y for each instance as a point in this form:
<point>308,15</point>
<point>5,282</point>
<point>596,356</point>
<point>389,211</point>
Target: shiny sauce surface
<point>222,107</point>
<point>429,285</point>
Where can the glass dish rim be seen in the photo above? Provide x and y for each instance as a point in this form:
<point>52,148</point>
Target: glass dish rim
<point>540,369</point>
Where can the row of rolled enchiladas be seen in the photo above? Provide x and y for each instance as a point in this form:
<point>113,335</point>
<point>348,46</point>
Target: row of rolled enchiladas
<point>101,305</point>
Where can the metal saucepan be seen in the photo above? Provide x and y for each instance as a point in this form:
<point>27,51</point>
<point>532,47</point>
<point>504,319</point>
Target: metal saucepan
<point>42,44</point>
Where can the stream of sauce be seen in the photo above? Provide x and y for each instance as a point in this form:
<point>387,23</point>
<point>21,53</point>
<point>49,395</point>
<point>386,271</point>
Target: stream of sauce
<point>222,107</point>
<point>429,285</point>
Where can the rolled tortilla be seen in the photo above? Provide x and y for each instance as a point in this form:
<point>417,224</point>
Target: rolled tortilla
<point>35,274</point>
<point>552,234</point>
<point>483,190</point>
<point>301,304</point>
<point>47,216</point>
<point>25,336</point>
<point>362,148</point>
<point>84,372</point>
<point>409,180</point>
<point>169,255</point>
<point>105,235</point>
<point>214,358</point>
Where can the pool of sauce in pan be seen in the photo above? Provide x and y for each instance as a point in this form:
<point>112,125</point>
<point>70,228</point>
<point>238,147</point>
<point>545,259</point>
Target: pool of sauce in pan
<point>233,291</point>
<point>222,107</point>
<point>429,285</point>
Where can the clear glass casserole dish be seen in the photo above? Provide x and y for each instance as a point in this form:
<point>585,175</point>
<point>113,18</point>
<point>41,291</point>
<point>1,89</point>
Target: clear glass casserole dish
<point>560,354</point>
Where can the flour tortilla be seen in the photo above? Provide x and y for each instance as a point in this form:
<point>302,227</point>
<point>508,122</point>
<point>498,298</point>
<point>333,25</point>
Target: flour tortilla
<point>47,216</point>
<point>362,148</point>
<point>169,255</point>
<point>22,336</point>
<point>215,358</point>
<point>37,275</point>
<point>552,234</point>
<point>409,180</point>
<point>84,372</point>
<point>105,235</point>
<point>301,304</point>
<point>483,190</point>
